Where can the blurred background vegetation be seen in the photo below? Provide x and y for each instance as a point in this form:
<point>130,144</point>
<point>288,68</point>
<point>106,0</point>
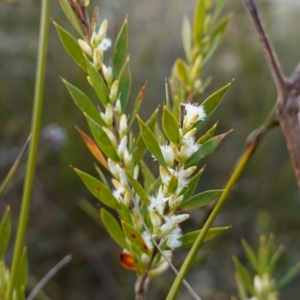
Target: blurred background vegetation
<point>265,199</point>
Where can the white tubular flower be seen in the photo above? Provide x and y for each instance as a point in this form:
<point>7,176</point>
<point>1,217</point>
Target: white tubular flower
<point>118,108</point>
<point>102,31</point>
<point>145,258</point>
<point>165,176</point>
<point>127,159</point>
<point>105,44</point>
<point>97,59</point>
<point>136,172</point>
<point>85,47</point>
<point>114,91</point>
<point>123,178</point>
<point>108,116</point>
<point>155,220</point>
<point>187,150</point>
<point>158,202</point>
<point>123,146</point>
<point>168,155</point>
<point>180,218</point>
<point>167,227</point>
<point>194,113</point>
<point>148,241</point>
<point>127,198</point>
<point>107,71</point>
<point>173,237</point>
<point>123,125</point>
<point>119,189</point>
<point>114,168</point>
<point>110,135</point>
<point>175,201</point>
<point>159,270</point>
<point>190,133</point>
<point>186,173</point>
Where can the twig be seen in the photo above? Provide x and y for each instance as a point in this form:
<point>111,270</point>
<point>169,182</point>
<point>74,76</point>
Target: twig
<point>48,276</point>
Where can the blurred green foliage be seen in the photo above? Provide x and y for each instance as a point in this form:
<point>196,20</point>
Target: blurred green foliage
<point>265,199</point>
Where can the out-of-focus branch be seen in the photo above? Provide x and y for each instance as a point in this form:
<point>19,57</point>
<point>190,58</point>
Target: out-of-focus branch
<point>288,90</point>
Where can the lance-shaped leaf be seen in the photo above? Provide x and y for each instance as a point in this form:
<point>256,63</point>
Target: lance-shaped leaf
<point>244,275</point>
<point>124,84</point>
<point>170,126</point>
<point>98,83</point>
<point>140,146</point>
<point>186,34</point>
<point>148,177</point>
<point>71,45</point>
<point>250,254</point>
<point>5,230</point>
<point>188,239</point>
<point>181,71</point>
<point>199,200</point>
<point>70,15</point>
<point>120,50</point>
<point>151,142</point>
<point>207,148</point>
<point>199,17</point>
<point>291,273</point>
<point>211,103</point>
<point>127,261</point>
<point>22,276</point>
<point>189,189</point>
<point>84,103</point>
<point>240,286</point>
<point>137,104</point>
<point>93,148</point>
<point>138,189</point>
<point>113,228</point>
<point>135,237</point>
<point>103,140</point>
<point>208,135</point>
<point>98,189</point>
<point>125,214</point>
<point>218,8</point>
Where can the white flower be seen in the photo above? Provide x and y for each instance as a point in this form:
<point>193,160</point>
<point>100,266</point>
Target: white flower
<point>158,202</point>
<point>118,107</point>
<point>107,71</point>
<point>148,240</point>
<point>127,159</point>
<point>110,135</point>
<point>122,146</point>
<point>114,91</point>
<point>114,168</point>
<point>173,237</point>
<point>165,176</point>
<point>97,59</point>
<point>168,155</point>
<point>136,172</point>
<point>85,47</point>
<point>105,44</point>
<point>102,31</point>
<point>123,125</point>
<point>108,116</point>
<point>192,109</point>
<point>188,148</point>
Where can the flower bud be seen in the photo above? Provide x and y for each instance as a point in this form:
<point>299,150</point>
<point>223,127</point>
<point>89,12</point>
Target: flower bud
<point>114,91</point>
<point>118,108</point>
<point>190,133</point>
<point>102,31</point>
<point>127,198</point>
<point>122,147</point>
<point>114,168</point>
<point>108,116</point>
<point>86,3</point>
<point>97,58</point>
<point>123,125</point>
<point>94,43</point>
<point>117,185</point>
<point>107,71</point>
<point>145,259</point>
<point>136,172</point>
<point>159,270</point>
<point>180,218</point>
<point>110,135</point>
<point>155,220</point>
<point>85,47</point>
<point>127,159</point>
<point>189,171</point>
<point>168,155</point>
<point>191,121</point>
<point>165,176</point>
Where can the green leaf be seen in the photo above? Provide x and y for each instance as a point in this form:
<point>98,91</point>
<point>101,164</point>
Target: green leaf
<point>140,147</point>
<point>170,126</point>
<point>71,45</point>
<point>137,104</point>
<point>250,254</point>
<point>84,103</point>
<point>120,50</point>
<point>212,102</point>
<point>244,275</point>
<point>138,189</point>
<point>126,214</point>
<point>199,200</point>
<point>151,142</point>
<point>207,148</point>
<point>124,84</point>
<point>103,140</point>
<point>291,273</point>
<point>70,15</point>
<point>22,276</point>
<point>188,239</point>
<point>219,7</point>
<point>189,189</point>
<point>186,34</point>
<point>5,231</point>
<point>167,95</point>
<point>208,135</point>
<point>181,71</point>
<point>98,189</point>
<point>98,83</point>
<point>113,228</point>
<point>135,237</point>
<point>199,17</point>
<point>240,287</point>
<point>148,177</point>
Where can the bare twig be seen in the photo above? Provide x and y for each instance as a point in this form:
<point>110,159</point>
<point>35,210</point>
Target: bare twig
<point>288,90</point>
<point>48,276</point>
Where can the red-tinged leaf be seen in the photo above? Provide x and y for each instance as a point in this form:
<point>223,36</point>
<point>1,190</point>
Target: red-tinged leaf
<point>135,237</point>
<point>93,148</point>
<point>128,261</point>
